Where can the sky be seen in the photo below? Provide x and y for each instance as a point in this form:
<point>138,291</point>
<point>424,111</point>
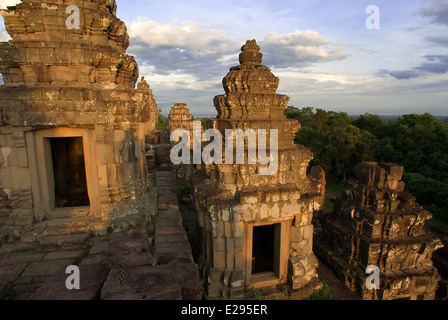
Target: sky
<point>322,51</point>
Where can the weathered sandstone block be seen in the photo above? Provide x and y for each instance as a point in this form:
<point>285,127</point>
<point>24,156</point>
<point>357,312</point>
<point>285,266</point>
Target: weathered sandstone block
<point>257,228</point>
<point>376,223</point>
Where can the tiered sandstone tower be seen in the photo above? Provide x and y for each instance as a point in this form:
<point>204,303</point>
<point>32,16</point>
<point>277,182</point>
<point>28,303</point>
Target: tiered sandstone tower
<point>72,123</point>
<point>180,118</point>
<point>256,229</point>
<point>375,223</point>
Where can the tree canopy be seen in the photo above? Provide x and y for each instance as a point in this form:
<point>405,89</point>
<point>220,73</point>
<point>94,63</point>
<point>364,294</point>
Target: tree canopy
<point>418,142</point>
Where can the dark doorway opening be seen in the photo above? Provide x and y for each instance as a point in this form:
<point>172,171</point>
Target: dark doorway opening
<point>69,172</point>
<point>263,249</point>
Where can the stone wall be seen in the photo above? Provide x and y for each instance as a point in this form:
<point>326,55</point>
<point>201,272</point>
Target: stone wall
<point>61,83</point>
<point>234,199</point>
<point>376,223</point>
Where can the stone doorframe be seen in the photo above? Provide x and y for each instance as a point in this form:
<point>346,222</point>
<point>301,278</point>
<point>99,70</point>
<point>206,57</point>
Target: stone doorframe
<point>41,168</point>
<point>281,254</point>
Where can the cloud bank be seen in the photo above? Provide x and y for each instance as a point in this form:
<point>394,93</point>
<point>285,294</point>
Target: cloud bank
<point>300,49</point>
<point>435,64</point>
<point>193,48</point>
<point>178,48</point>
<point>437,12</point>
<point>6,3</point>
<point>439,41</point>
<point>194,57</point>
<point>4,36</point>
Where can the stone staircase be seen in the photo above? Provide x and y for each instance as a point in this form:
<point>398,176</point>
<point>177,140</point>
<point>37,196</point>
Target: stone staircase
<point>66,221</point>
<point>65,226</point>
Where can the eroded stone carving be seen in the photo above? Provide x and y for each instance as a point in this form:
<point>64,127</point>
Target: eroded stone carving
<point>237,204</point>
<point>62,83</point>
<point>180,118</point>
<point>376,223</point>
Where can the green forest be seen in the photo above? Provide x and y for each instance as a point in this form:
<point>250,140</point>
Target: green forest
<point>418,142</point>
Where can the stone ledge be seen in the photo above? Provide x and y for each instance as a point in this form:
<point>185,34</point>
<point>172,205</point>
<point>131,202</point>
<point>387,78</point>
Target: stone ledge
<point>64,241</point>
<point>92,277</point>
<point>153,283</point>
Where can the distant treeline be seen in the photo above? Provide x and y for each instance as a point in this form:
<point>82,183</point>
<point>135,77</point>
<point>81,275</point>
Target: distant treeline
<point>418,142</point>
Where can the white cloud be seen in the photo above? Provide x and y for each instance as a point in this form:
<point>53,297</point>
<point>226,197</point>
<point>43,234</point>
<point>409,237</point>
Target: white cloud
<point>202,51</point>
<point>198,39</point>
<point>6,3</point>
<point>186,47</point>
<point>368,50</point>
<point>300,49</point>
<point>437,12</point>
<point>362,93</point>
<point>4,36</point>
<point>186,61</point>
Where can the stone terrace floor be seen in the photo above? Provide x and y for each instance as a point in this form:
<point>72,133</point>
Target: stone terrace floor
<point>155,263</point>
<point>151,264</point>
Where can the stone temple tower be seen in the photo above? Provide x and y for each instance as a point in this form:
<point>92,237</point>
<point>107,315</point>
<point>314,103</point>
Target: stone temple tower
<point>256,229</point>
<point>376,223</point>
<point>180,118</point>
<point>72,121</point>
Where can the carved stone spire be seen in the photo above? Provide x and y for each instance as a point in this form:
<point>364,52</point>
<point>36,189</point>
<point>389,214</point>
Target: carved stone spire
<point>250,54</point>
<point>238,198</point>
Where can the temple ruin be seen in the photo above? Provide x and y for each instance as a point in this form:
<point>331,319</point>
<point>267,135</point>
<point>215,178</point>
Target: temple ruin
<point>80,153</point>
<point>73,123</point>
<point>376,223</point>
<point>180,118</point>
<point>256,229</point>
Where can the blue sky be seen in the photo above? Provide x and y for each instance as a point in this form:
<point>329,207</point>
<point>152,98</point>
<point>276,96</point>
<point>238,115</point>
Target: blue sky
<point>321,50</point>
